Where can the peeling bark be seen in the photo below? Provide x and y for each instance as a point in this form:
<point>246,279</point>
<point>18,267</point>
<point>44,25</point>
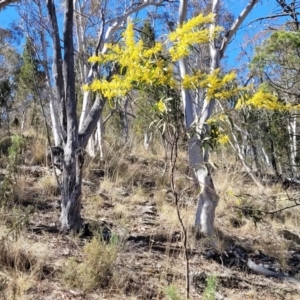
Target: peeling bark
<point>75,138</point>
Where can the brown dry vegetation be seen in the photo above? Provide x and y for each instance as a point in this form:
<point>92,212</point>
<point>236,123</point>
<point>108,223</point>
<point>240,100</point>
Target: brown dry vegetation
<point>131,245</point>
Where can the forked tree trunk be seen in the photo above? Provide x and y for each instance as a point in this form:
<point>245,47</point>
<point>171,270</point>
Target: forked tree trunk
<point>198,152</point>
<point>74,139</point>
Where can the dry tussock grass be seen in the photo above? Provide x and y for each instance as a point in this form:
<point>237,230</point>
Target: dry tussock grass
<point>132,180</point>
<point>95,268</point>
<point>48,185</point>
<point>23,264</point>
<point>93,206</point>
<point>36,153</point>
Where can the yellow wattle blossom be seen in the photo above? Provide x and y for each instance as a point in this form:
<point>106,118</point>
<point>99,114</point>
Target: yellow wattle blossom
<point>193,81</point>
<point>216,118</point>
<point>194,31</point>
<point>238,201</point>
<point>223,139</point>
<point>95,59</point>
<point>138,65</point>
<point>85,87</point>
<point>230,192</point>
<point>161,106</point>
<point>262,100</point>
<point>216,85</point>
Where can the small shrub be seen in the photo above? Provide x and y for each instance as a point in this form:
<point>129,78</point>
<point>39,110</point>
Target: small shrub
<point>15,150</point>
<point>210,290</point>
<point>96,268</point>
<point>172,293</point>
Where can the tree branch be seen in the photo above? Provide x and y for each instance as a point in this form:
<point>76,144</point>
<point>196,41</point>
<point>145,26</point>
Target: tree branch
<point>117,23</point>
<point>271,17</point>
<point>57,62</point>
<point>240,19</point>
<point>4,3</point>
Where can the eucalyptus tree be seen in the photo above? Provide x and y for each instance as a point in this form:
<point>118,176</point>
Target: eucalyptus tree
<point>199,90</point>
<point>196,116</point>
<point>276,63</point>
<point>75,137</point>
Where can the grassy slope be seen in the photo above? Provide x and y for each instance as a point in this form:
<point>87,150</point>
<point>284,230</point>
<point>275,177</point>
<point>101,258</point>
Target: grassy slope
<point>144,259</point>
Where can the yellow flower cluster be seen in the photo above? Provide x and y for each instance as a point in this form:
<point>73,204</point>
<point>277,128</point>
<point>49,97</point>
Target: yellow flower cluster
<point>215,84</point>
<point>161,106</point>
<point>194,31</point>
<point>223,139</point>
<point>262,100</point>
<point>139,66</point>
<point>218,117</point>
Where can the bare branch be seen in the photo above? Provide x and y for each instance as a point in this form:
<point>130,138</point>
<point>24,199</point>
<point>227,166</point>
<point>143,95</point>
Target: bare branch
<point>4,3</point>
<point>240,19</point>
<point>270,17</point>
<point>118,22</point>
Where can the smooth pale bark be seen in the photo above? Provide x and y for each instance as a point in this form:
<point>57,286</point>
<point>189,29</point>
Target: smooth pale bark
<point>292,130</point>
<point>196,123</point>
<point>54,114</point>
<point>147,139</point>
<point>100,140</point>
<point>103,39</point>
<point>235,145</point>
<point>58,69</point>
<point>124,119</point>
<point>267,160</point>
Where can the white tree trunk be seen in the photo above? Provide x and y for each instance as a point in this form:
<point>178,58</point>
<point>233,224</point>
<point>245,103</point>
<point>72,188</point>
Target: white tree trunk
<point>292,130</point>
<point>100,139</point>
<point>55,124</point>
<point>198,152</point>
<point>56,130</point>
<point>267,160</point>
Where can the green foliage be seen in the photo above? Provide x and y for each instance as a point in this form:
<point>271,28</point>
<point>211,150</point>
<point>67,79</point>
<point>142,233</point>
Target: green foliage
<point>148,35</point>
<point>7,188</point>
<point>96,268</point>
<point>172,293</point>
<point>30,81</point>
<point>210,290</point>
<point>15,151</point>
<point>277,63</point>
<point>5,90</point>
<point>30,73</point>
<point>280,48</point>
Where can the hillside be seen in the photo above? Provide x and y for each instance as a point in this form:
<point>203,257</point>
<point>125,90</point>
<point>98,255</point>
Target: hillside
<point>131,246</point>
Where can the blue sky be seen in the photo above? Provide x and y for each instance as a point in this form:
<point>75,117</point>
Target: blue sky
<point>232,59</point>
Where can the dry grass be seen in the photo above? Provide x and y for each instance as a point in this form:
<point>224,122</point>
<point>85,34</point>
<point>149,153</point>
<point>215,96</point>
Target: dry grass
<point>48,185</point>
<point>94,269</point>
<point>23,264</point>
<point>36,151</point>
